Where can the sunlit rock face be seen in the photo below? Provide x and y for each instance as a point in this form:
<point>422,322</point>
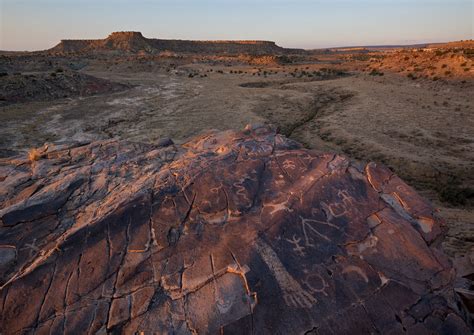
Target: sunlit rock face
<point>232,232</point>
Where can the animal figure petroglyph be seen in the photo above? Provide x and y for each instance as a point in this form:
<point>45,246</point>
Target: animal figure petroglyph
<point>241,189</point>
<point>283,206</point>
<point>332,211</point>
<point>338,209</point>
<point>293,294</point>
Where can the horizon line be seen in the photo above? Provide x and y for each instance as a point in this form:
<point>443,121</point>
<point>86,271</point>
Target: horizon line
<point>388,45</point>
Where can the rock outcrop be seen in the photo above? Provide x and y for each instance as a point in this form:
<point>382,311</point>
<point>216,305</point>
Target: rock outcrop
<point>133,42</point>
<point>232,232</point>
<point>18,88</point>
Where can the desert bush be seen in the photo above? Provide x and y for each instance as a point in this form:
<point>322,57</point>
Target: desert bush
<point>447,73</point>
<point>34,155</point>
<point>375,72</point>
<point>411,76</point>
<point>457,195</point>
<point>444,66</point>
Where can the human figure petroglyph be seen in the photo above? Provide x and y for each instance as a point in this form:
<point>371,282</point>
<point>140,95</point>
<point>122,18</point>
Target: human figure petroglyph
<point>31,247</point>
<point>289,164</point>
<point>293,294</point>
<point>299,249</point>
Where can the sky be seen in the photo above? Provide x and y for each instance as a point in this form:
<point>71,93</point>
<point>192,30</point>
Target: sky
<point>41,24</point>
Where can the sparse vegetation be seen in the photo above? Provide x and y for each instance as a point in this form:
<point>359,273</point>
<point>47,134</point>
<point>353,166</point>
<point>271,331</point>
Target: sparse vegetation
<point>34,155</point>
<point>375,72</point>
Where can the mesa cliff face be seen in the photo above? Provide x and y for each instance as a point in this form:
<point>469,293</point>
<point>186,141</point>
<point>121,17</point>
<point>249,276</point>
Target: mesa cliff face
<point>232,232</point>
<point>135,42</point>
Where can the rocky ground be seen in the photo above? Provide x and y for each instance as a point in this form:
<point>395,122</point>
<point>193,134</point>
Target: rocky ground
<point>364,105</point>
<point>58,84</point>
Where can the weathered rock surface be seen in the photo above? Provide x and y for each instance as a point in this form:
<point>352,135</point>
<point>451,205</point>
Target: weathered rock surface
<point>55,85</point>
<point>233,232</point>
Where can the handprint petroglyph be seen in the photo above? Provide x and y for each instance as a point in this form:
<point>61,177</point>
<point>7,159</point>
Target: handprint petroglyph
<point>293,294</point>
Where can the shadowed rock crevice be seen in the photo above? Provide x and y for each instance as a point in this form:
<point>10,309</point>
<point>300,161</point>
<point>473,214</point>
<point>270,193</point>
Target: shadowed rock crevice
<point>231,232</point>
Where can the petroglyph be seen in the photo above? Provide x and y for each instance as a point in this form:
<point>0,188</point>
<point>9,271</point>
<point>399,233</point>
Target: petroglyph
<point>283,206</point>
<point>293,294</point>
<point>315,282</point>
<point>31,247</point>
<point>299,249</point>
<point>309,227</point>
<point>289,164</point>
<point>339,209</point>
<point>144,252</point>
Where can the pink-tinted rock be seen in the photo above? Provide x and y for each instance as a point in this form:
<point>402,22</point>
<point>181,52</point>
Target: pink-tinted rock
<point>233,232</point>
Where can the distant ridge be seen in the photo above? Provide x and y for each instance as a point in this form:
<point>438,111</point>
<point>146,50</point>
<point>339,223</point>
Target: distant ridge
<point>134,42</point>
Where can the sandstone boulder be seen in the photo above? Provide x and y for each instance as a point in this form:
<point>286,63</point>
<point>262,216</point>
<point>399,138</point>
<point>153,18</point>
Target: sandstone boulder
<point>232,232</point>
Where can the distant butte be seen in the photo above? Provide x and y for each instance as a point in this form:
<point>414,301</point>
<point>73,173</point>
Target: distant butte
<point>134,42</point>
